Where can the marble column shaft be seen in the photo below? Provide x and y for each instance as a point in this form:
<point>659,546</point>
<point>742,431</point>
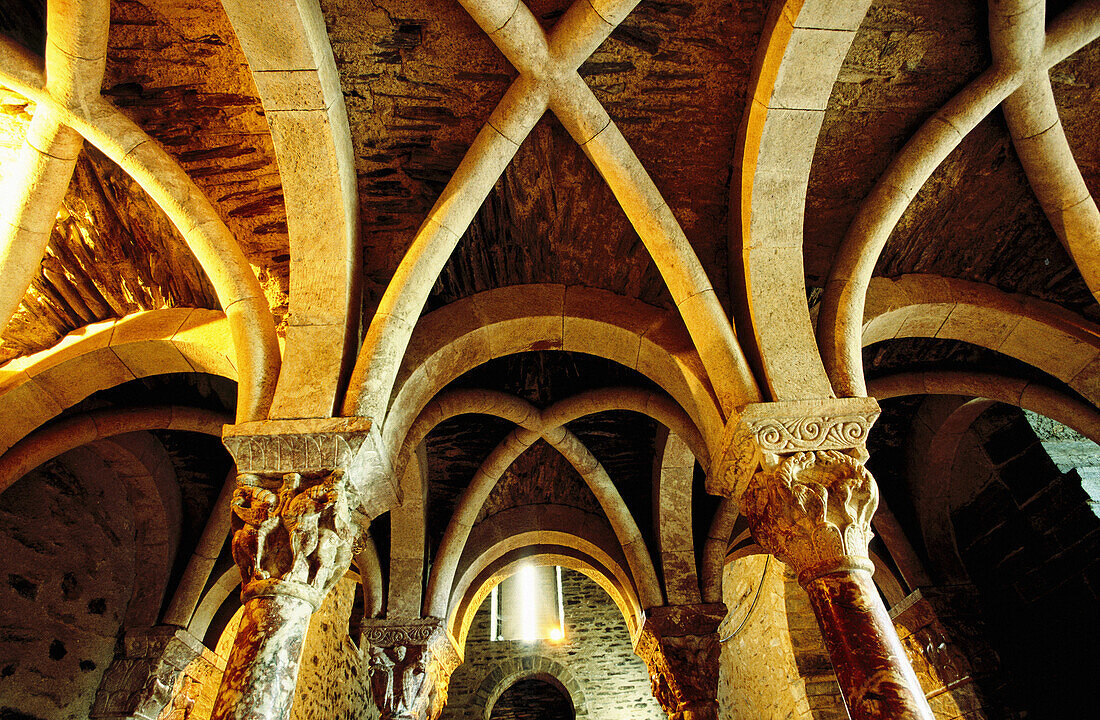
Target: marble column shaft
<point>871,666</point>
<point>796,470</point>
<point>262,669</point>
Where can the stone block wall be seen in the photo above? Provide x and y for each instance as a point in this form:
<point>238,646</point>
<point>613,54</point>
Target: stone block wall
<point>775,666</point>
<point>66,581</point>
<point>596,663</point>
<point>1030,542</point>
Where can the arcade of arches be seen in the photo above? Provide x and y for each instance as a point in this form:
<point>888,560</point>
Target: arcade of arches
<point>772,324</point>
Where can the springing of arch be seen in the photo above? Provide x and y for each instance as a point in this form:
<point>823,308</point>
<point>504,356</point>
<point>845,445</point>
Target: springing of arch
<point>36,388</point>
<point>939,429</point>
<point>462,335</point>
<point>802,48</point>
<point>842,305</point>
<point>485,479</point>
<point>508,672</point>
<point>548,80</point>
<point>250,322</point>
<point>1038,333</point>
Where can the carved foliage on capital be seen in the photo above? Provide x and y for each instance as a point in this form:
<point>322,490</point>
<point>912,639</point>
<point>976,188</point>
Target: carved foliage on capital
<point>812,509</point>
<point>292,533</point>
<point>681,650</point>
<point>409,664</point>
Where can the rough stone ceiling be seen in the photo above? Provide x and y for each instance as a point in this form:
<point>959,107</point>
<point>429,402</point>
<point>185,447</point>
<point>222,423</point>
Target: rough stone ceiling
<point>420,79</point>
<point>176,69</point>
<point>977,217</point>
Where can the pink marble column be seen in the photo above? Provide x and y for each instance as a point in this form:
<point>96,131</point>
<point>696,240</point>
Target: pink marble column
<point>813,511</point>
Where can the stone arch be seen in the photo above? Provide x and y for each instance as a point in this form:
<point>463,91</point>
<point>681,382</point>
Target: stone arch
<point>940,429</point>
<point>488,474</point>
<point>776,141</point>
<point>250,326</point>
<point>509,672</point>
<point>36,388</point>
<point>845,296</point>
<point>500,543</point>
<point>672,478</point>
<point>1041,334</point>
<point>469,332</point>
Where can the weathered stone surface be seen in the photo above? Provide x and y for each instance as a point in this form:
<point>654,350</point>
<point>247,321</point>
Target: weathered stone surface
<point>154,675</point>
<point>68,575</point>
<point>772,625</point>
<point>409,663</point>
<point>680,647</point>
<point>942,634</point>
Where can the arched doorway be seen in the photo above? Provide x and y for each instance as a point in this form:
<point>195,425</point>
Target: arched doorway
<point>535,697</point>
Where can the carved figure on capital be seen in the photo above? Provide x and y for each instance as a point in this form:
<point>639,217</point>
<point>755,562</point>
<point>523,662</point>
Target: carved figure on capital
<point>410,666</point>
<point>255,516</point>
<point>292,529</point>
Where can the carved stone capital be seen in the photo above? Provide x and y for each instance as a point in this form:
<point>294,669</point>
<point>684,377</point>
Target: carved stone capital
<point>679,645</point>
<point>410,661</point>
<point>292,533</point>
<point>317,447</point>
<point>813,511</point>
<point>147,679</point>
<point>304,488</point>
<point>761,434</point>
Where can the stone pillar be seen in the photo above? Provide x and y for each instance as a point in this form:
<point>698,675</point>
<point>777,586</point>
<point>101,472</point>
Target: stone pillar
<point>796,470</point>
<point>680,647</point>
<point>150,675</point>
<point>306,489</point>
<point>942,631</point>
<point>409,662</point>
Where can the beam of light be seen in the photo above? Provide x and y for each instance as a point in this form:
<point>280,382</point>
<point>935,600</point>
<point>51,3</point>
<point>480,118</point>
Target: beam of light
<point>528,603</point>
<point>560,634</point>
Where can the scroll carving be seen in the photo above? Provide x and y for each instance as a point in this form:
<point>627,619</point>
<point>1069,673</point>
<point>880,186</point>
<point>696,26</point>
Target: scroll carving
<point>812,510</point>
<point>784,435</point>
<point>410,665</point>
<point>761,433</point>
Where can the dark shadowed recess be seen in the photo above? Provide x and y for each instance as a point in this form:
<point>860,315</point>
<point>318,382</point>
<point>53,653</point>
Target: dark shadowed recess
<point>532,699</point>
